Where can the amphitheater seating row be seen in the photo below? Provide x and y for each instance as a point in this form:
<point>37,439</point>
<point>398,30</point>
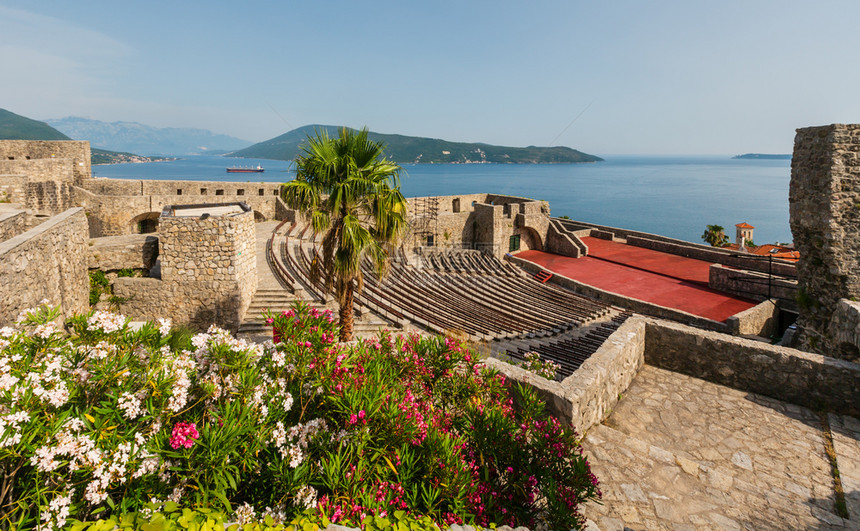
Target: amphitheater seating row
<point>463,291</point>
<point>570,353</point>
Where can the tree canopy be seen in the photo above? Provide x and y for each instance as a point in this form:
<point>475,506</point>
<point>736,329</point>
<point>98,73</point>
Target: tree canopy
<point>351,194</point>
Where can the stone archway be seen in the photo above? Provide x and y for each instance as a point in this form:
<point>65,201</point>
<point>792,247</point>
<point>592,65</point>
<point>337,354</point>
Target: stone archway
<point>144,223</point>
<point>530,239</point>
<point>258,217</point>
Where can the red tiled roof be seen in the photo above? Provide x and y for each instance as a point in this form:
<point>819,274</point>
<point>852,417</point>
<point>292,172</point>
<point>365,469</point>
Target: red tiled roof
<point>744,225</point>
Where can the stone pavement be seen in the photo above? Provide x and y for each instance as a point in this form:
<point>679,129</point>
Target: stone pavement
<point>681,453</point>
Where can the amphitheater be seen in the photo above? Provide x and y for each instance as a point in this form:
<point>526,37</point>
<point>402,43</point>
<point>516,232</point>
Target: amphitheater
<point>692,417</point>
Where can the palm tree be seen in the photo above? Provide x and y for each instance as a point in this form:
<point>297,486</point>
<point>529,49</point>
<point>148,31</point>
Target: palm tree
<point>351,193</point>
<point>715,235</point>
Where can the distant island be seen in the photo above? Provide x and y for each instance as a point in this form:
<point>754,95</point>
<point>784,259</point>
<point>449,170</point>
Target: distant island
<point>419,150</point>
<point>16,127</point>
<point>762,156</point>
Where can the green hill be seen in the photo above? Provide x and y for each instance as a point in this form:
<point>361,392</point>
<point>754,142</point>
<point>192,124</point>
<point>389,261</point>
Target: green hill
<point>409,149</point>
<point>16,127</point>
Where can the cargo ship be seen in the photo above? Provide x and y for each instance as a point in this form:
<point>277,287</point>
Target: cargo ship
<point>239,169</point>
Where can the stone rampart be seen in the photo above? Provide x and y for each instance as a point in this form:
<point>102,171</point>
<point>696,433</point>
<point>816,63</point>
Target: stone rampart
<point>48,262</point>
<point>12,223</point>
<point>749,262</point>
<point>63,160</point>
<point>824,208</point>
<point>806,379</point>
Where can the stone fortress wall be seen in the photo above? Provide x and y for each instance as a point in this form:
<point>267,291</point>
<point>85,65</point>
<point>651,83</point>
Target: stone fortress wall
<point>117,206</point>
<point>825,222</point>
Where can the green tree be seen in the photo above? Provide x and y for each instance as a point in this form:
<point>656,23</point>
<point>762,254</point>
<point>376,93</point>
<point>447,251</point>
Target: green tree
<point>715,235</point>
<point>351,194</point>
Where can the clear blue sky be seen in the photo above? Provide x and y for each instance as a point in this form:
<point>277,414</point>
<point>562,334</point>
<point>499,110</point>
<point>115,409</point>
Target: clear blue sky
<point>658,77</point>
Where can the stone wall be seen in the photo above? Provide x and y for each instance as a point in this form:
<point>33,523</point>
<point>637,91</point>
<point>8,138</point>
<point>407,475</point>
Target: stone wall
<point>753,285</point>
<point>48,262</point>
<point>12,223</point>
<point>560,240</point>
<point>64,160</point>
<point>587,396</point>
<point>131,251</point>
<point>683,248</point>
<point>636,305</point>
<point>208,272</point>
<point>806,379</point>
<point>824,208</point>
<point>845,329</point>
<point>760,320</point>
<point>479,221</point>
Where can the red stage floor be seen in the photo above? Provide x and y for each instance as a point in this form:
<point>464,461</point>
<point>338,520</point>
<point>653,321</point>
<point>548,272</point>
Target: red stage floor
<point>651,276</point>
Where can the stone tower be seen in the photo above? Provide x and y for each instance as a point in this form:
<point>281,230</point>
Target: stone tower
<point>824,203</point>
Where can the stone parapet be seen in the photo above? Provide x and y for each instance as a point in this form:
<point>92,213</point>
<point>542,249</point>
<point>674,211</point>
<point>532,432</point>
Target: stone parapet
<point>48,262</point>
<point>131,251</point>
<point>753,284</point>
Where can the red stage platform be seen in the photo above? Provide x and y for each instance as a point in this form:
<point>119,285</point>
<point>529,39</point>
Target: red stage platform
<point>660,278</point>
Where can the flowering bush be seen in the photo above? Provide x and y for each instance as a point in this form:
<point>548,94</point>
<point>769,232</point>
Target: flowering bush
<point>547,369</point>
<point>107,421</point>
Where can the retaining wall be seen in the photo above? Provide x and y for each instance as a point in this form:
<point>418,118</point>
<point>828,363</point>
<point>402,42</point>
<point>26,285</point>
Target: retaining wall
<point>802,378</point>
<point>46,262</point>
<point>584,398</point>
<point>752,284</point>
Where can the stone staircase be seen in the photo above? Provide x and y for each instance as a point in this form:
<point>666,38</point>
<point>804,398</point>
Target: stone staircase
<point>254,328</point>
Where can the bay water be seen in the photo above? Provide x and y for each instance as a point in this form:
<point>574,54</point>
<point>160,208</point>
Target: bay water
<point>674,196</point>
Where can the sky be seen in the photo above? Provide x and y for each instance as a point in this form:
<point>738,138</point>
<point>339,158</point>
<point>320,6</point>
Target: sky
<point>615,77</point>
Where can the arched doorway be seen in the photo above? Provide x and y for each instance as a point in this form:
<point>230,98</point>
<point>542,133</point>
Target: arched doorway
<point>144,223</point>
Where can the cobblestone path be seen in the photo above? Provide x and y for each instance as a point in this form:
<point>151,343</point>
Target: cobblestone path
<point>681,453</point>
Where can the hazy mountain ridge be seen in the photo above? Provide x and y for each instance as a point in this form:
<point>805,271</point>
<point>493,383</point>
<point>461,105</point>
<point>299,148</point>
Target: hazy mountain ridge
<point>16,127</point>
<point>139,138</point>
<point>411,149</point>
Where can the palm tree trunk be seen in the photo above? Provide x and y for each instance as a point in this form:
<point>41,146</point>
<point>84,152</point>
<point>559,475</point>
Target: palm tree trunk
<point>347,315</point>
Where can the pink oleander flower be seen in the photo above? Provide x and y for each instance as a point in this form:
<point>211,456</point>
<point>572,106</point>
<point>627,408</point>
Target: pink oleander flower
<point>183,436</point>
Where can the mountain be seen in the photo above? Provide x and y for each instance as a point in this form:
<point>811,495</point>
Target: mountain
<point>16,127</point>
<point>139,138</point>
<point>764,156</point>
<point>409,149</point>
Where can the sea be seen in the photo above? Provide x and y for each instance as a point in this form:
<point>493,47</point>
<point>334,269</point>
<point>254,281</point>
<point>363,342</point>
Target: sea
<point>675,196</point>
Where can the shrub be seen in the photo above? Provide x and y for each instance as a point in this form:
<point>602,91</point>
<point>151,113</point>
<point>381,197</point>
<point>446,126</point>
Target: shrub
<point>108,422</point>
<point>99,284</point>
